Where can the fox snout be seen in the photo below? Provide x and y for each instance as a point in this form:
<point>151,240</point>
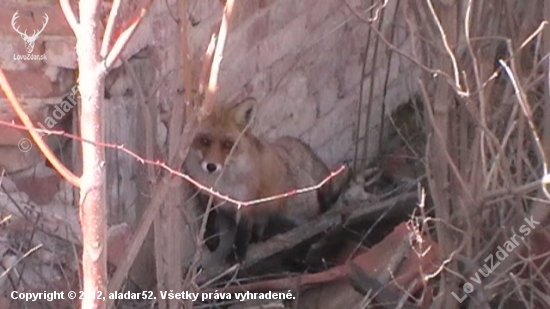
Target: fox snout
<point>211,167</point>
<point>212,151</point>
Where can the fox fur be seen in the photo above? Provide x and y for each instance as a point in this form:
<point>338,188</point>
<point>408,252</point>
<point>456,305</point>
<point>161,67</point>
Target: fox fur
<point>256,168</point>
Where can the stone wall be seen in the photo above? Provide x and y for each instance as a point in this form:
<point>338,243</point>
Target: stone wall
<point>303,60</point>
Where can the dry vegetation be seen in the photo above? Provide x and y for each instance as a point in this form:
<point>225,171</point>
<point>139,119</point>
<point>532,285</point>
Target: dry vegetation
<point>471,150</point>
<point>485,91</point>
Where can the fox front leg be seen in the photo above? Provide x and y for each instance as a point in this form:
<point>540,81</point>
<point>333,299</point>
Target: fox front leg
<point>242,238</point>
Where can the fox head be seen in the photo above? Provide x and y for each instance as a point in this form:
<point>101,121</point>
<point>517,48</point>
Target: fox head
<point>217,135</point>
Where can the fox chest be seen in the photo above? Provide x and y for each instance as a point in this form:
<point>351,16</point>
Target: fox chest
<point>238,191</point>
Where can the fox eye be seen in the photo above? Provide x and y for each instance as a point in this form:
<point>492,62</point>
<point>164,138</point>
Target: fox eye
<point>204,141</point>
<point>227,145</point>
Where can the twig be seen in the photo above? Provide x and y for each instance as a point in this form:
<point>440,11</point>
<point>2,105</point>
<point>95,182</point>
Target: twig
<point>522,99</point>
<point>523,189</point>
<point>533,35</point>
<point>362,86</point>
<point>69,15</point>
<point>477,77</point>
<point>233,269</point>
<point>187,77</point>
<point>444,148</point>
<point>31,251</point>
<point>109,28</point>
<point>120,43</point>
<point>395,49</point>
<point>212,90</point>
<point>59,167</point>
<point>123,39</point>
<point>206,64</point>
<point>446,45</point>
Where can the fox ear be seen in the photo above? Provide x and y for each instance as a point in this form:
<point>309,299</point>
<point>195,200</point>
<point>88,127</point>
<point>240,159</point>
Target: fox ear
<point>243,112</point>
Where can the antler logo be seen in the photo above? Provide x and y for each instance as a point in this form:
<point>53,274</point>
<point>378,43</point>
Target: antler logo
<point>29,40</point>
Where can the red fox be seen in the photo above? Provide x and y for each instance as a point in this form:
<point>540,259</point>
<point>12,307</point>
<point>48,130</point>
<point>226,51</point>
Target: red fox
<point>255,169</point>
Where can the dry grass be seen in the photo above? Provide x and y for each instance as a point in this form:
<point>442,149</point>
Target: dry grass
<point>485,156</point>
<point>483,79</point>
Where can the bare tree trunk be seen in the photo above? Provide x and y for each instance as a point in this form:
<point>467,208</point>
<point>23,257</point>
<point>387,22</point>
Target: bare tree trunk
<point>92,189</point>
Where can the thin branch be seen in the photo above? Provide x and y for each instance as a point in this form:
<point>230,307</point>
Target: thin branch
<point>31,251</point>
<point>109,28</point>
<point>120,43</point>
<point>477,77</point>
<point>533,35</point>
<point>445,149</point>
<point>212,90</point>
<point>395,49</point>
<point>180,110</point>
<point>446,45</point>
<point>490,196</point>
<point>69,15</point>
<point>122,40</point>
<point>46,151</point>
<point>187,77</point>
<point>522,99</point>
<point>207,64</point>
